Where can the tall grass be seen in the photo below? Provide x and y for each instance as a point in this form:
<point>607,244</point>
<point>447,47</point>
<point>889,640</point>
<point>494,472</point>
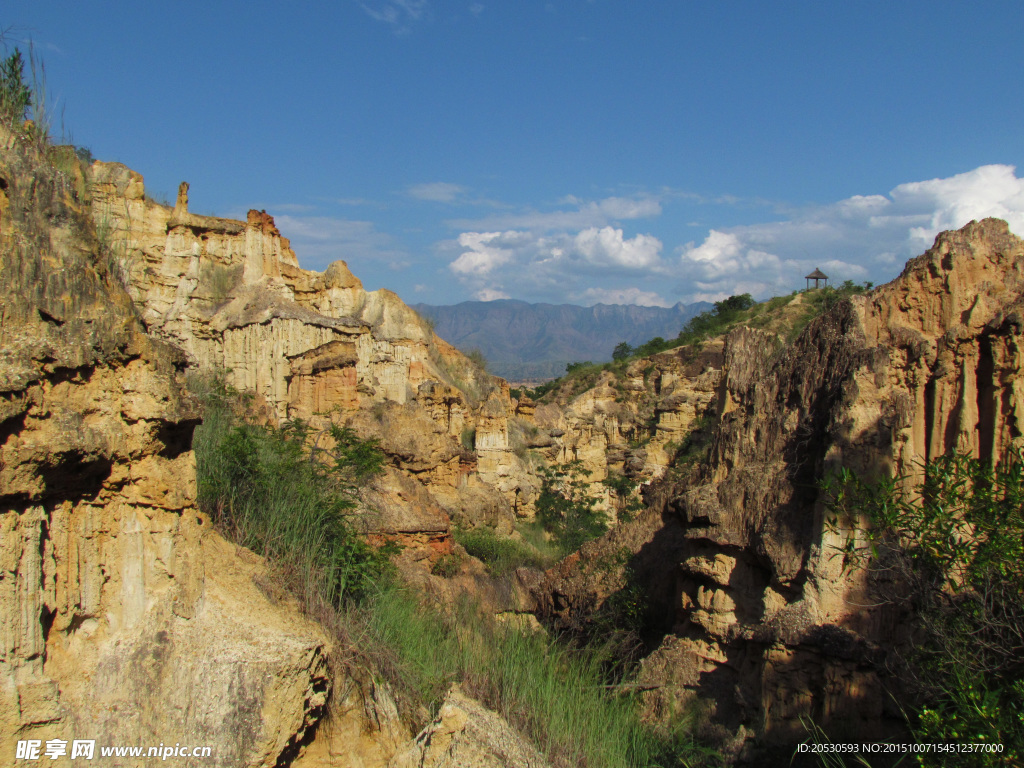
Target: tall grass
<point>289,495</point>
<point>553,693</point>
<point>269,491</point>
<point>500,554</point>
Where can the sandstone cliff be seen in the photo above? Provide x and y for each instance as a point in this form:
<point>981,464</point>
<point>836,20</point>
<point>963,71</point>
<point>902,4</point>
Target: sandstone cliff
<point>760,618</point>
<point>124,617</point>
<point>625,428</point>
<point>317,346</point>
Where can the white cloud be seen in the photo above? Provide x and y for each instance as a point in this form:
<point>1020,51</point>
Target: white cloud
<point>437,191</point>
<point>620,296</point>
<point>861,237</point>
<point>601,250</point>
<point>487,251</point>
<point>991,190</point>
<point>596,213</point>
<point>628,208</point>
<point>608,246</point>
<point>553,254</point>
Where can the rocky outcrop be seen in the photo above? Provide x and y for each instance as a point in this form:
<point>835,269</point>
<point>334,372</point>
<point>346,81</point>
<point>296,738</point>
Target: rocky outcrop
<point>763,621</point>
<point>466,734</point>
<point>312,345</point>
<point>123,617</point>
<point>630,424</point>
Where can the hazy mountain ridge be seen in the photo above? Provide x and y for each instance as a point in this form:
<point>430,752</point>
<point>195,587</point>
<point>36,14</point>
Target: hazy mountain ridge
<point>522,340</point>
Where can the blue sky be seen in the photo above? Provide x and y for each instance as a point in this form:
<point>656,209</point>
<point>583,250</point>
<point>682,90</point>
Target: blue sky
<point>566,151</point>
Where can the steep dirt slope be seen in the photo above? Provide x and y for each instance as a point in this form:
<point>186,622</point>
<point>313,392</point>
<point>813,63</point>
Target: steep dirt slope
<point>762,621</point>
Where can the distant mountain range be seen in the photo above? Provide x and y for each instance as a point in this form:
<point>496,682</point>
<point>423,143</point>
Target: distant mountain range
<point>525,342</point>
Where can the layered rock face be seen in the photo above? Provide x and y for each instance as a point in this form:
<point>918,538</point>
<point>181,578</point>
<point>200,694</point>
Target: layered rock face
<point>123,617</point>
<point>630,425</point>
<point>763,621</point>
<point>315,346</point>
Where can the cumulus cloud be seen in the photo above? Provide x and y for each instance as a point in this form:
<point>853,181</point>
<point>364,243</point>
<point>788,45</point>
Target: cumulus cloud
<point>991,190</point>
<point>551,253</point>
<point>557,261</point>
<point>608,246</point>
<point>487,251</point>
<point>861,237</point>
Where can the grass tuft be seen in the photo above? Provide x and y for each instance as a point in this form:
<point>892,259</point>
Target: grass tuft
<point>500,554</point>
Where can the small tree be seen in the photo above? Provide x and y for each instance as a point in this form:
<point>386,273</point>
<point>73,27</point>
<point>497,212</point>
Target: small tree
<point>567,508</point>
<point>15,96</point>
<point>727,308</point>
<point>622,351</point>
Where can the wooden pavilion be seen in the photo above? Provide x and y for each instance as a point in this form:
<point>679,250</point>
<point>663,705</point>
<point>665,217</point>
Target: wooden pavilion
<point>816,275</point>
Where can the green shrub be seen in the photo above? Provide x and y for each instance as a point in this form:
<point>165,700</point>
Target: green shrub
<point>627,495</point>
<point>15,95</point>
<point>500,554</point>
<point>566,507</point>
<point>447,565</point>
<point>283,494</point>
<point>956,543</point>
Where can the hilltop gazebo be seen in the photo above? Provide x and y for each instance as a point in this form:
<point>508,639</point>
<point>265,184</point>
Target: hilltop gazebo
<point>816,275</point>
